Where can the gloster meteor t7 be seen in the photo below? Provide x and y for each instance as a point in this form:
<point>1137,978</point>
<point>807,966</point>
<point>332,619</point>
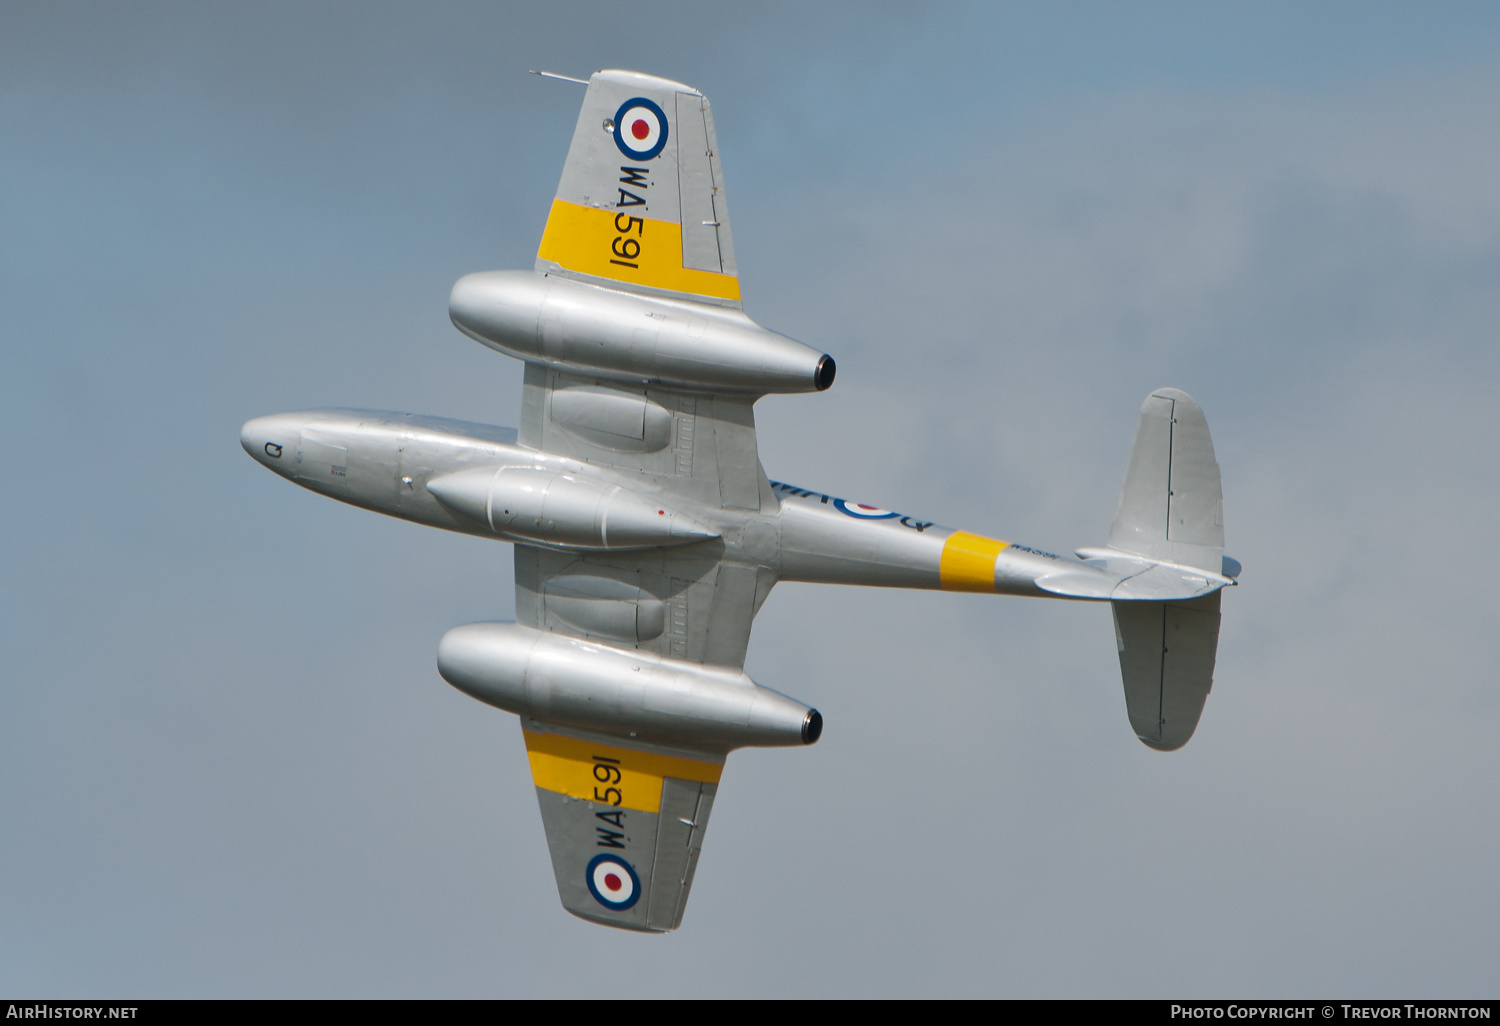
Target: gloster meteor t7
<point>647,536</point>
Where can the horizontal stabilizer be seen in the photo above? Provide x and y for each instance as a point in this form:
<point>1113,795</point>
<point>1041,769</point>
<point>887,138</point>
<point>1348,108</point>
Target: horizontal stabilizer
<point>1167,654</point>
<point>1106,574</point>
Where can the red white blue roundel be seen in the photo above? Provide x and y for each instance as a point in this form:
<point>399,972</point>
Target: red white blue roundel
<point>613,882</point>
<point>862,512</point>
<point>640,129</point>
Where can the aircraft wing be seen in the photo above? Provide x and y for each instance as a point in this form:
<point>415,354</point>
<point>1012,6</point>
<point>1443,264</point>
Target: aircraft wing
<point>624,825</point>
<point>641,201</point>
<point>640,207</point>
<point>693,602</point>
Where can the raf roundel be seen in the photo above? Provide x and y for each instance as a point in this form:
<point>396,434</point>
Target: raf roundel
<point>862,512</point>
<point>612,882</point>
<point>640,129</point>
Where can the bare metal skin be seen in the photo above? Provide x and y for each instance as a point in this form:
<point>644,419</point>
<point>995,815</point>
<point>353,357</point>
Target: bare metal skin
<point>647,535</point>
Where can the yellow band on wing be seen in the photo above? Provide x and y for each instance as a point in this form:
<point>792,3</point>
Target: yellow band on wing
<point>968,562</point>
<point>608,775</point>
<point>615,244</point>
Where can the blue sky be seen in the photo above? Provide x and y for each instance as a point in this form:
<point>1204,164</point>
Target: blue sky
<point>227,763</point>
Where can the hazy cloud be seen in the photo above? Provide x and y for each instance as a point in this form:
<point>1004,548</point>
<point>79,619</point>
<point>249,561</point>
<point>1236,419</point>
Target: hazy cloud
<point>227,763</point>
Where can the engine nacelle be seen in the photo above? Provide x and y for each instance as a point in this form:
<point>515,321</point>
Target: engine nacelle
<point>576,326</point>
<point>575,683</point>
<point>553,507</point>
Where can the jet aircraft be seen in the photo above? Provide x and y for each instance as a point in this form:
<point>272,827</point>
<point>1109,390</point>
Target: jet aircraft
<point>647,535</point>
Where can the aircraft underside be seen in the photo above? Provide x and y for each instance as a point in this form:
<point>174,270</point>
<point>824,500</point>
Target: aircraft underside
<point>647,535</point>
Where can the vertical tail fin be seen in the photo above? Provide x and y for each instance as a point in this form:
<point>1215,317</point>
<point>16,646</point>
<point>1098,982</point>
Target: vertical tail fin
<point>1171,504</point>
<point>1171,508</point>
<point>641,202</point>
<point>1167,654</point>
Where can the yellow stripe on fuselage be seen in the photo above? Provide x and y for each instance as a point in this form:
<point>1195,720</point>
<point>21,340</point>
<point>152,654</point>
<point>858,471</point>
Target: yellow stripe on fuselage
<point>624,777</point>
<point>615,244</point>
<point>968,562</point>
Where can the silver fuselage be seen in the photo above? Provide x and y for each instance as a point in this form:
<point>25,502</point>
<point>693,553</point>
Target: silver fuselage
<point>385,461</point>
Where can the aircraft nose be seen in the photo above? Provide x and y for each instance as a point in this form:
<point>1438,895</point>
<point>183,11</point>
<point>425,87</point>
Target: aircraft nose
<point>269,440</point>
